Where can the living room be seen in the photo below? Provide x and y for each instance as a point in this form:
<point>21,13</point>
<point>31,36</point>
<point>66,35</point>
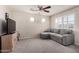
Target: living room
<point>33,20</point>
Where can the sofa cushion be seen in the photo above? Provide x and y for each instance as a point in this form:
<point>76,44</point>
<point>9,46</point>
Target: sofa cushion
<point>48,30</point>
<point>55,30</point>
<point>52,30</point>
<point>45,33</point>
<point>65,31</point>
<point>56,35</point>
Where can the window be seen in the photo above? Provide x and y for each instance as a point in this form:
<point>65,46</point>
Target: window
<point>65,21</point>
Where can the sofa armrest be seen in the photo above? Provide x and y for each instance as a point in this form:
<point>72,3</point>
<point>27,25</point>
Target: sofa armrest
<point>68,39</point>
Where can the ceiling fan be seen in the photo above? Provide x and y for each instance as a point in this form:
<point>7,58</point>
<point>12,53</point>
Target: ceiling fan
<point>42,8</point>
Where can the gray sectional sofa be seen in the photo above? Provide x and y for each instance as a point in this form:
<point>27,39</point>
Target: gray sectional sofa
<point>62,36</point>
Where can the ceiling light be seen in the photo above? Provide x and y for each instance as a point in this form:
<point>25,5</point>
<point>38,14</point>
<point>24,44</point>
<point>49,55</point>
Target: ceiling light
<point>43,20</point>
<point>32,19</point>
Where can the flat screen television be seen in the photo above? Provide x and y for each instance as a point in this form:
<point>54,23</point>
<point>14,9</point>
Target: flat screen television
<point>10,26</point>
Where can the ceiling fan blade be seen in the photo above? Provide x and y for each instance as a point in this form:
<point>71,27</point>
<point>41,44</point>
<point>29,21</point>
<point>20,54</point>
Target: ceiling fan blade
<point>47,7</point>
<point>46,11</point>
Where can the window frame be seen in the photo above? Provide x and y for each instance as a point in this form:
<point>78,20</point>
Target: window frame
<point>62,23</point>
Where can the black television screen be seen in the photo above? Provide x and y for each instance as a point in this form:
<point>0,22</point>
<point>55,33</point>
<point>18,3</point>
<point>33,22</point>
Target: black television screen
<point>2,27</point>
<point>11,26</point>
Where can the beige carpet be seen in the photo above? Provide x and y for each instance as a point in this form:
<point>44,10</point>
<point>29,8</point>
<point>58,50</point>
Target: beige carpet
<point>43,46</point>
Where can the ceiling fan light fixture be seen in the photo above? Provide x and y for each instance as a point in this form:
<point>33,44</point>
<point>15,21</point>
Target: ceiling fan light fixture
<point>41,8</point>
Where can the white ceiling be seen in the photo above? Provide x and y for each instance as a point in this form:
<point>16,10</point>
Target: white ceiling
<point>53,10</point>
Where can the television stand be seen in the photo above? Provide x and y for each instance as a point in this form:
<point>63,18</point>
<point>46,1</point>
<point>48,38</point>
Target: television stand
<point>8,42</point>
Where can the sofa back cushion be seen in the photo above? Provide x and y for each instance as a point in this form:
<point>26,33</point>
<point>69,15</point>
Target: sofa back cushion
<point>65,31</point>
<point>55,30</point>
<point>52,30</point>
<point>48,30</point>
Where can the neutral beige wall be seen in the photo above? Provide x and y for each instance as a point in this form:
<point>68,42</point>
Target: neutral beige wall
<point>27,28</point>
<point>52,19</point>
<point>2,11</point>
<point>76,26</point>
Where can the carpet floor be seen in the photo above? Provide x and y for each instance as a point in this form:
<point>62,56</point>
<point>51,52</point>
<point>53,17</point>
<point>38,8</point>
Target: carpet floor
<point>43,46</point>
